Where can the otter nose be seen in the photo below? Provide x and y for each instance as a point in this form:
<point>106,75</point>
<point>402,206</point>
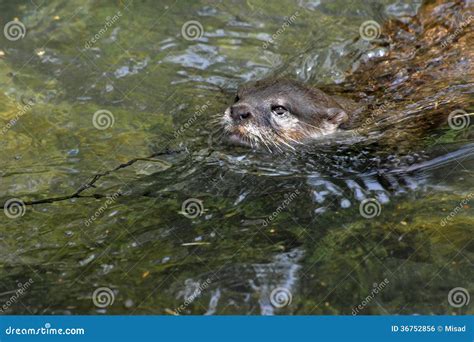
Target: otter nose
<point>240,112</point>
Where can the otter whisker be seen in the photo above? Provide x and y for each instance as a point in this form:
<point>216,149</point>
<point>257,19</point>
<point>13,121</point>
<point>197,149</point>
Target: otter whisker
<point>281,140</point>
<point>295,141</point>
<point>252,140</point>
<point>286,144</point>
<point>307,124</point>
<point>271,138</point>
<point>275,143</point>
<point>258,136</point>
<point>219,137</point>
<point>265,143</point>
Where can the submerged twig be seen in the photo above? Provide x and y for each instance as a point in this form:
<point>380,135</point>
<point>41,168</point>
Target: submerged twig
<point>95,178</point>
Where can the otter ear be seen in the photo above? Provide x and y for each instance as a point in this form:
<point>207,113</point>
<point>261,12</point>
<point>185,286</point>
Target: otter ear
<point>337,116</point>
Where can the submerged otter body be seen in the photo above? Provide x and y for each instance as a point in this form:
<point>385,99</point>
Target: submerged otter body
<point>278,114</point>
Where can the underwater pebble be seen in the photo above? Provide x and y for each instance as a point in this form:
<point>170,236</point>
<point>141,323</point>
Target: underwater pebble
<point>345,203</point>
<point>106,268</point>
<point>320,210</point>
<point>87,260</point>
<point>73,152</point>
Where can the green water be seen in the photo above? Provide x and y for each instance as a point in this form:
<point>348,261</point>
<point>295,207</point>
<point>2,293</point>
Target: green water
<point>265,223</point>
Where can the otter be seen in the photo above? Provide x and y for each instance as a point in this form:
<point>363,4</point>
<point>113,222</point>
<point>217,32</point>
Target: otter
<point>279,113</point>
<point>393,100</point>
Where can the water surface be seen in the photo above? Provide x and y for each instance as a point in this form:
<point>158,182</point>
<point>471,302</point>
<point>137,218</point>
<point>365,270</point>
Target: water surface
<point>272,234</point>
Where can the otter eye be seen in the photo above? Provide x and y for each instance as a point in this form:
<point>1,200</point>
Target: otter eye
<point>279,110</point>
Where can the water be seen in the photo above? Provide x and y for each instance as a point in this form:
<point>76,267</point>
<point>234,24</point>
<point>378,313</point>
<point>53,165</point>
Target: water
<point>308,233</point>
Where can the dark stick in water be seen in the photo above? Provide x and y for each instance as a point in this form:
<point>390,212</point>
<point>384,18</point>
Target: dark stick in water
<point>90,184</point>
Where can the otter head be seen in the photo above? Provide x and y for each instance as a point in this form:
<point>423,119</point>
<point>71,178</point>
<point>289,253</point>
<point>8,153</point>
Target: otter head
<point>279,113</point>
